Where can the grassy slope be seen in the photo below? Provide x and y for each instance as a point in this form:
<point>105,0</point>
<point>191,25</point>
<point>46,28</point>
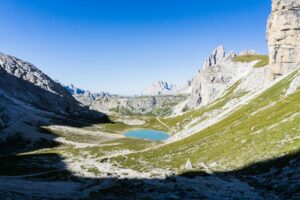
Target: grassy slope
<point>267,127</point>
<point>263,59</point>
<point>177,123</point>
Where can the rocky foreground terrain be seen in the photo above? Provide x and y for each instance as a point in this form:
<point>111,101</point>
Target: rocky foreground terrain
<point>234,134</point>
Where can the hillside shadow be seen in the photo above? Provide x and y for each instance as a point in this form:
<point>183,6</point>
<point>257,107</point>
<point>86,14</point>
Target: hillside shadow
<point>58,101</point>
<point>274,178</point>
<point>38,108</point>
<point>271,179</point>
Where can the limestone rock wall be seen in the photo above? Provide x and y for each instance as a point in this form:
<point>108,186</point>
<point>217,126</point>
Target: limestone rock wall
<point>283,35</point>
<point>218,73</point>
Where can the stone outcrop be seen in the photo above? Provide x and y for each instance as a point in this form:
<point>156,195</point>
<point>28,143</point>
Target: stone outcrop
<point>217,56</point>
<point>283,35</point>
<point>219,72</point>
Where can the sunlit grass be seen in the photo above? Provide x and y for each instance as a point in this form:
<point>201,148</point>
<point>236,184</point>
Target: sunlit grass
<point>263,60</point>
<point>265,128</point>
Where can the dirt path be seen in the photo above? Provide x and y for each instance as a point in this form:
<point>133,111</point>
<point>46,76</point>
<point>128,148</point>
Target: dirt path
<point>172,131</point>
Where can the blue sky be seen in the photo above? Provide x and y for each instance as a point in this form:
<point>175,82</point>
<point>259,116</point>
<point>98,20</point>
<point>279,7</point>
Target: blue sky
<point>121,46</point>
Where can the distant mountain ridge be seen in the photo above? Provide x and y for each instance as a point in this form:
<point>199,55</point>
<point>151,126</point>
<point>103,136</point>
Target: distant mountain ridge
<point>106,102</point>
<point>32,86</point>
<point>30,99</point>
<point>161,88</point>
<point>75,91</point>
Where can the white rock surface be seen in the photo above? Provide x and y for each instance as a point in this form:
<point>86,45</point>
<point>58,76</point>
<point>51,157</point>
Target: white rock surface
<point>161,88</point>
<point>283,34</point>
<point>257,78</point>
<point>188,165</point>
<point>294,86</point>
<point>217,56</point>
<point>217,75</point>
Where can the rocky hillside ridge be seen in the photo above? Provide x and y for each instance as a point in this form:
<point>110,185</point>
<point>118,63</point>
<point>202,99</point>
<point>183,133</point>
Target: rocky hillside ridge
<point>19,124</point>
<point>28,72</point>
<point>130,105</point>
<point>218,73</point>
<point>32,86</point>
<point>155,105</point>
<point>283,35</point>
<point>75,91</point>
<point>29,99</point>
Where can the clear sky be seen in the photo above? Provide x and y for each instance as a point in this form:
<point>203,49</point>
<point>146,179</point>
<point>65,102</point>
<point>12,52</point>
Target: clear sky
<point>121,46</point>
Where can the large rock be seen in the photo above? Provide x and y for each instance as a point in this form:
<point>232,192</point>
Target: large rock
<point>283,34</point>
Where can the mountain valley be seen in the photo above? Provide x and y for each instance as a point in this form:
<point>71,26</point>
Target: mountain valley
<point>234,129</point>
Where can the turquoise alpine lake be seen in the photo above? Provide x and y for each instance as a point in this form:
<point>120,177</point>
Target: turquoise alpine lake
<point>148,134</point>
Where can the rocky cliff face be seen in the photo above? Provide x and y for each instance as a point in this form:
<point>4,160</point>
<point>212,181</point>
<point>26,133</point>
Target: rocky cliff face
<point>218,73</point>
<point>283,34</point>
<point>217,56</point>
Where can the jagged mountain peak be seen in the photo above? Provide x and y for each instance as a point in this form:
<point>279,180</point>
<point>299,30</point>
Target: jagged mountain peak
<point>218,55</point>
<point>75,91</point>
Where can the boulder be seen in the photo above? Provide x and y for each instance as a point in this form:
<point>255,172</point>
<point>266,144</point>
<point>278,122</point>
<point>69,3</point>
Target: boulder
<point>188,165</point>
